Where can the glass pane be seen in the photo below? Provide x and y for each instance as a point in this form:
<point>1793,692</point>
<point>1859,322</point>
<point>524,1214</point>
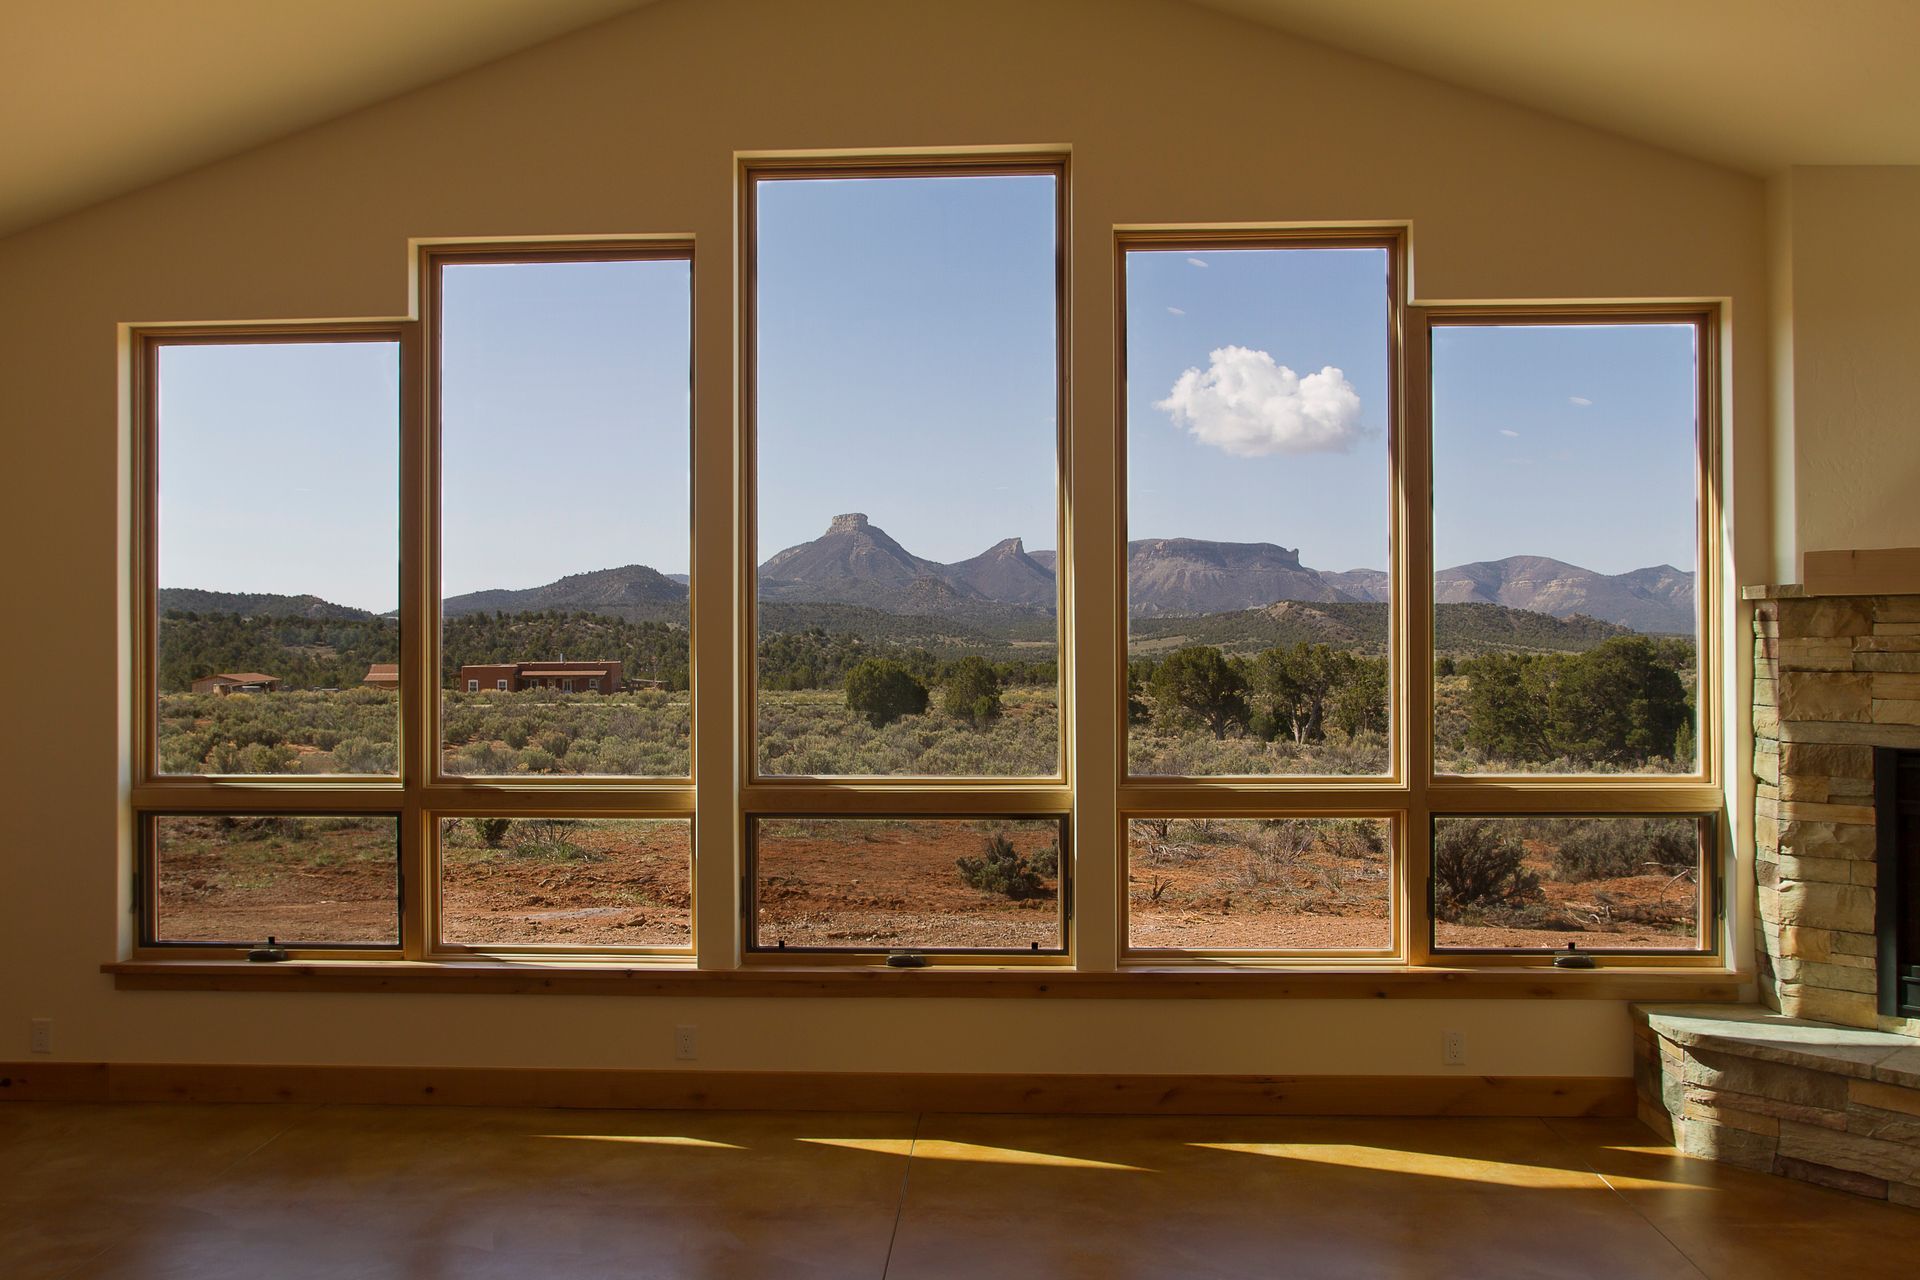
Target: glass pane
<point>301,880</point>
<point>278,557</point>
<point>1604,884</point>
<point>566,882</point>
<point>1260,545</point>
<point>1264,884</point>
<point>1565,506</point>
<point>908,495</point>
<point>932,884</point>
<point>565,492</point>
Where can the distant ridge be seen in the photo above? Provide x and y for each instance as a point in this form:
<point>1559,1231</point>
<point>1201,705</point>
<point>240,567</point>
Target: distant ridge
<point>1006,589</point>
<point>255,604</point>
<point>1657,599</point>
<point>632,592</point>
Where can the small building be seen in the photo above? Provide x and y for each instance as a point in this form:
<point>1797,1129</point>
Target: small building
<point>237,682</point>
<point>565,676</point>
<point>382,675</point>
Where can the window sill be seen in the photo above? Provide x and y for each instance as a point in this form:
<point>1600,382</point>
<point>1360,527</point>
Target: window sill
<point>524,977</point>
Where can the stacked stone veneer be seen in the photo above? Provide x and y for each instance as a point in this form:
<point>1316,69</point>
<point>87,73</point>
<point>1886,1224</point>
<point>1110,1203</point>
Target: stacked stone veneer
<point>1834,676</point>
<point>1837,1106</point>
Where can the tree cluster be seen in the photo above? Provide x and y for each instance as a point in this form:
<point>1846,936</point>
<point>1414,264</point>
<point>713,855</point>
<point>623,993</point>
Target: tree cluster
<point>1620,704</point>
<point>1299,692</point>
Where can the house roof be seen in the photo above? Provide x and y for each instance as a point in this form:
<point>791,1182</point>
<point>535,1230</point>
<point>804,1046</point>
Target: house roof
<point>104,96</point>
<point>555,672</point>
<point>245,677</point>
<point>383,668</point>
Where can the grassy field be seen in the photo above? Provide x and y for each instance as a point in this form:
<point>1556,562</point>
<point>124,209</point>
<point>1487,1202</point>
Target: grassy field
<point>649,734</point>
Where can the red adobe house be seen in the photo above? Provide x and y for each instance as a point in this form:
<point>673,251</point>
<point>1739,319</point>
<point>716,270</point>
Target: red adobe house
<point>567,677</point>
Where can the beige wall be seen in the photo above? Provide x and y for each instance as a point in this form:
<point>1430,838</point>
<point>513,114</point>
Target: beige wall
<point>1848,367</point>
<point>1174,114</point>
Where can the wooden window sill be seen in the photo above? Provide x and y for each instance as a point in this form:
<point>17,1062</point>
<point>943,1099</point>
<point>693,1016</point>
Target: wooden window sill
<point>528,977</point>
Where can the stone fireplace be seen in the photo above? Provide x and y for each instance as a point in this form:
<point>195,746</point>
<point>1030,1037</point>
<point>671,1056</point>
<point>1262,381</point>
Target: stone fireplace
<point>1835,677</point>
<point>1821,1080</point>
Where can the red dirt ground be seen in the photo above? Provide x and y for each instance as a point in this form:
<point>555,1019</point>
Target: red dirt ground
<point>862,885</point>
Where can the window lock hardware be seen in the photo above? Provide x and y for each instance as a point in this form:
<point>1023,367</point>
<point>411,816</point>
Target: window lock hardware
<point>906,960</point>
<point>271,952</point>
<point>1572,959</point>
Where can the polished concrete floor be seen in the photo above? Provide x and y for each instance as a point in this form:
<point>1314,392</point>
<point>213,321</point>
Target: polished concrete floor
<point>284,1192</point>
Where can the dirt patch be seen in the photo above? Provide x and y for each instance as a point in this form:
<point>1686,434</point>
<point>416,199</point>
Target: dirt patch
<point>865,884</point>
<point>595,883</point>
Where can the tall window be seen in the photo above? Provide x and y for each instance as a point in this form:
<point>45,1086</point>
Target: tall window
<point>565,527</point>
<point>275,554</point>
<point>1570,511</point>
<point>907,519</point>
<point>1259,480</point>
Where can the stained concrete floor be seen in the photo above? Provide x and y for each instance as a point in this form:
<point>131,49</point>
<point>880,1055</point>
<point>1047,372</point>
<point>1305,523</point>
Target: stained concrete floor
<point>286,1193</point>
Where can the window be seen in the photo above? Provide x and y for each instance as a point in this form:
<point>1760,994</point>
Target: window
<point>273,553</point>
<point>906,506</point>
<point>1566,545</point>
<point>563,388</point>
<point>328,883</point>
<point>1571,535</point>
<point>547,882</point>
<point>1599,883</point>
<point>904,331</point>
<point>1259,482</point>
<point>1395,646</point>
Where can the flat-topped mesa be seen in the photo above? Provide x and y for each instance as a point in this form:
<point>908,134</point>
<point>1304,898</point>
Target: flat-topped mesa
<point>852,522</point>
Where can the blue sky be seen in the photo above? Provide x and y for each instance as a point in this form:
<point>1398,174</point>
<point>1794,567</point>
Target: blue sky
<point>1245,451</point>
<point>1570,441</point>
<point>566,390</point>
<point>906,360</point>
<point>906,369</point>
<point>279,469</point>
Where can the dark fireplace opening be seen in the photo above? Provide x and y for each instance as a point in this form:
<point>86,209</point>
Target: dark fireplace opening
<point>1896,800</point>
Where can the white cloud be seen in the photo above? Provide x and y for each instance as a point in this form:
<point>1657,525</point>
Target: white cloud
<point>1175,311</point>
<point>1511,435</point>
<point>1196,262</point>
<point>1579,400</point>
<point>1249,406</point>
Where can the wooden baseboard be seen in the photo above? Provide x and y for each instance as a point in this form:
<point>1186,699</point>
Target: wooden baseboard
<point>1461,1095</point>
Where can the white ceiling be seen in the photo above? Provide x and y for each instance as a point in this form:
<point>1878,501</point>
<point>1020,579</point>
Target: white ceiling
<point>98,97</point>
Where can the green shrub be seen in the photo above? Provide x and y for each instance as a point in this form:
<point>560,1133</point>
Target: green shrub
<point>492,831</point>
<point>972,692</point>
<point>1046,863</point>
<point>1606,849</point>
<point>1479,862</point>
<point>1003,871</point>
<point>884,691</point>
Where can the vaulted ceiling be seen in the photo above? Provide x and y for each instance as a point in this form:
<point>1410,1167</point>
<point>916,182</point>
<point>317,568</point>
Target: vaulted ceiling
<point>98,97</point>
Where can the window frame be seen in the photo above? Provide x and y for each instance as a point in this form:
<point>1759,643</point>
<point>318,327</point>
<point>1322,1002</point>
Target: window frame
<point>757,953</point>
<point>1410,798</point>
<point>907,796</point>
<point>147,895</point>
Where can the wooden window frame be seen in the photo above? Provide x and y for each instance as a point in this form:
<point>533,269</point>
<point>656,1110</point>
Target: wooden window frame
<point>777,795</point>
<point>1097,960</point>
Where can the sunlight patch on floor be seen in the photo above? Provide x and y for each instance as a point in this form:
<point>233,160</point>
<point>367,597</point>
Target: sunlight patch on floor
<point>1415,1162</point>
<point>644,1139</point>
<point>940,1149</point>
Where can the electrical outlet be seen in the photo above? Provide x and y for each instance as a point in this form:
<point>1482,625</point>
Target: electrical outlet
<point>685,1043</point>
<point>1453,1048</point>
<point>40,1035</point>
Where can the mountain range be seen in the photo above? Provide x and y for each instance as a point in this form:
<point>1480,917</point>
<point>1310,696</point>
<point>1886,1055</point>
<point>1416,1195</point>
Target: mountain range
<point>856,563</point>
